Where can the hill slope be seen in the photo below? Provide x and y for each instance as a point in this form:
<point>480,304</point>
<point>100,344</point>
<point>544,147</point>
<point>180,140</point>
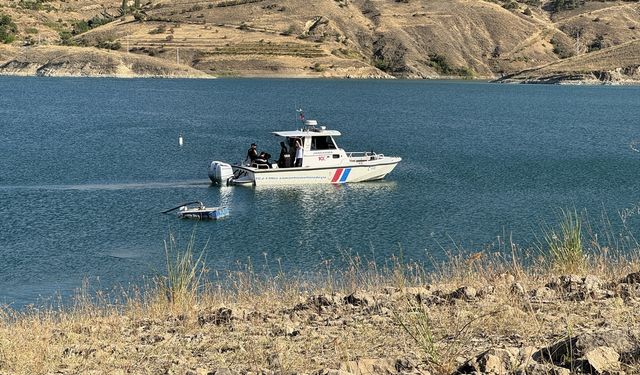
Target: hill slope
<point>335,38</point>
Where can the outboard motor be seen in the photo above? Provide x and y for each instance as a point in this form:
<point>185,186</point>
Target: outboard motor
<point>220,172</point>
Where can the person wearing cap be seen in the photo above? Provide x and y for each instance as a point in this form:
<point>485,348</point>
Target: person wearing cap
<point>252,154</point>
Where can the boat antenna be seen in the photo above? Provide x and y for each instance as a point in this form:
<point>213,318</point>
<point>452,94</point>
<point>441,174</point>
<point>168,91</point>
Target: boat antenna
<point>183,204</point>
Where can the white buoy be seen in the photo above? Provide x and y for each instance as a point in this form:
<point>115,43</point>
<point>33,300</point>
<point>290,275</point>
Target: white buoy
<point>180,140</point>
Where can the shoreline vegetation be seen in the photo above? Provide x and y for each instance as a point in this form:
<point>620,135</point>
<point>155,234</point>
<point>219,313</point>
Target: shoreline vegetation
<point>568,306</point>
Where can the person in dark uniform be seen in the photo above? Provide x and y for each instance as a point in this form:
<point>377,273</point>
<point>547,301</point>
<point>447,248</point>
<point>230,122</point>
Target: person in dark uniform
<point>263,158</point>
<point>252,154</point>
<point>285,158</point>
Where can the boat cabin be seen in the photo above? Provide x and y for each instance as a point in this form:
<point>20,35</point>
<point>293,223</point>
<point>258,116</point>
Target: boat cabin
<point>318,145</point>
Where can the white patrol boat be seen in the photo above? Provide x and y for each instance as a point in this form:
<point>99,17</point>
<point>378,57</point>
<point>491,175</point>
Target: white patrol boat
<point>322,162</point>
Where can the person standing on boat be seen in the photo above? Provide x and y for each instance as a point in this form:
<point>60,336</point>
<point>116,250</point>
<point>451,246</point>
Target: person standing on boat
<point>285,157</point>
<point>299,153</point>
<point>252,154</point>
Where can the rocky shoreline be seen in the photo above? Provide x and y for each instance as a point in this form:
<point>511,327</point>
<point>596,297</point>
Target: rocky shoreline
<point>627,76</point>
<point>57,61</point>
<point>499,323</point>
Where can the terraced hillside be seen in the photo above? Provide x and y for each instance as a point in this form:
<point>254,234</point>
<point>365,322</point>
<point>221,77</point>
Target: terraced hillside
<point>331,38</point>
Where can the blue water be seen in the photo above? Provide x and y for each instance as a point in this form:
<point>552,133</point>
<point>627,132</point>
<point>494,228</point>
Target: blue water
<point>88,164</point>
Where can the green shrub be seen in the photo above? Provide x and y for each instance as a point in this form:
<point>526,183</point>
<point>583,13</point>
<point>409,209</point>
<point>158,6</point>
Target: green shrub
<point>597,44</point>
<point>559,5</point>
<point>109,44</point>
<point>34,4</point>
<point>510,5</point>
<point>66,38</point>
<point>80,27</point>
<point>99,21</point>
<point>8,29</point>
<point>561,48</point>
<point>381,64</point>
<point>442,66</point>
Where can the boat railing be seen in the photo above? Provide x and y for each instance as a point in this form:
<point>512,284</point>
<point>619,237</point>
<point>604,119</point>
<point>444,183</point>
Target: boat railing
<point>364,156</point>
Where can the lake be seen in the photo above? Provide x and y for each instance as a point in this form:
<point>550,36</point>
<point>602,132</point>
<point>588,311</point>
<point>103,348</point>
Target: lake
<point>89,164</point>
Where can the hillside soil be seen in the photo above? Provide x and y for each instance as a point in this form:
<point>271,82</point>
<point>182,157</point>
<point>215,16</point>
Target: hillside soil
<point>533,41</point>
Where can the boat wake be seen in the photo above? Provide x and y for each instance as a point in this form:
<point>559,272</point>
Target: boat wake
<point>112,186</point>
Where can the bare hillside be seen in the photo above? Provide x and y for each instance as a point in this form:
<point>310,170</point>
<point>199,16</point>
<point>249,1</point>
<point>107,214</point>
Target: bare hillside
<point>333,38</point>
<point>617,64</point>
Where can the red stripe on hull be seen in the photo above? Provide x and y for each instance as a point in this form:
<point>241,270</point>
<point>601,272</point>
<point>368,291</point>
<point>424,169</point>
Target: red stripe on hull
<point>336,176</point>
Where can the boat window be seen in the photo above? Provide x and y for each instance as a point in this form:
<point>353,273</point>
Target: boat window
<point>322,143</point>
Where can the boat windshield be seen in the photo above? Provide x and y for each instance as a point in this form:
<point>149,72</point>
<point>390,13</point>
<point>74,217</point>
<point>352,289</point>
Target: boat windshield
<point>322,143</point>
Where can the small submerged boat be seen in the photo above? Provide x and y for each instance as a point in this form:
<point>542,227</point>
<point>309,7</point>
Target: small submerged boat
<point>199,211</point>
<point>322,162</point>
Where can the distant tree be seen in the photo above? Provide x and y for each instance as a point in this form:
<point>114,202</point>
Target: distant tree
<point>8,29</point>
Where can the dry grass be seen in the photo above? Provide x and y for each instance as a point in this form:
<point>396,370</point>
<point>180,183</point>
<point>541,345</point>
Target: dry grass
<point>265,320</point>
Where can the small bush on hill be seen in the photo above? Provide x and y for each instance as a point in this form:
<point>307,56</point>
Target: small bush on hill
<point>510,5</point>
<point>80,27</point>
<point>109,44</point>
<point>34,4</point>
<point>381,64</point>
<point>66,38</point>
<point>597,44</point>
<point>560,48</point>
<point>8,29</point>
<point>559,5</point>
<point>83,26</point>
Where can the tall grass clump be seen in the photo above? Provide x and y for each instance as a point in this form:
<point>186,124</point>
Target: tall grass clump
<point>564,244</point>
<point>185,273</point>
